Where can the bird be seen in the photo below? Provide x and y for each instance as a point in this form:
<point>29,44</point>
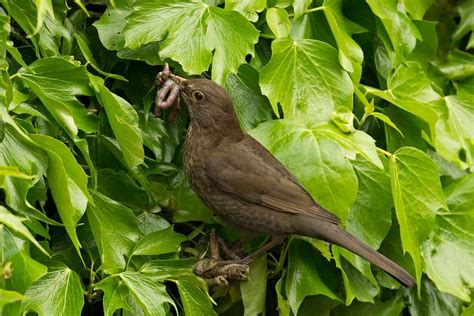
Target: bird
<point>243,183</point>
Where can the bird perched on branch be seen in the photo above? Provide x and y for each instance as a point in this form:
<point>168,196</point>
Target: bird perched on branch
<point>243,183</point>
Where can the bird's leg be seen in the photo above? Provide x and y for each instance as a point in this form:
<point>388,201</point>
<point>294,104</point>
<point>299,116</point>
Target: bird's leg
<point>276,240</point>
<point>226,249</point>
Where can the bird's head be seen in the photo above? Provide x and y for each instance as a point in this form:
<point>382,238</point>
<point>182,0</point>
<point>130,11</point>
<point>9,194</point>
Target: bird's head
<point>206,100</point>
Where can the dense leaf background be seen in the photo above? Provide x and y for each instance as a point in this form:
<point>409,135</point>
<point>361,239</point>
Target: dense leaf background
<point>369,103</point>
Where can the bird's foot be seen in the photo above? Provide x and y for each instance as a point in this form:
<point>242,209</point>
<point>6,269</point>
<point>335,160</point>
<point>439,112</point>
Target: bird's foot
<point>215,270</point>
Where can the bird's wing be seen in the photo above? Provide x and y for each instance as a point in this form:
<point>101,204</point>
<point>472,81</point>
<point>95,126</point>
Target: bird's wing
<point>251,173</point>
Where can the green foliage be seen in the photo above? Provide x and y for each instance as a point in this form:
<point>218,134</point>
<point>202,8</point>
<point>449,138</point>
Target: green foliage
<point>369,104</point>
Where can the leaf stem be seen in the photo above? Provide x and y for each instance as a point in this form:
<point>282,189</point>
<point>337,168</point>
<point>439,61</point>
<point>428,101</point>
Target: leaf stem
<point>269,36</point>
<point>384,152</point>
<point>314,9</point>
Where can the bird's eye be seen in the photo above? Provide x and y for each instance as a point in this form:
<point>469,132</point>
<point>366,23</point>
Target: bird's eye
<point>198,95</point>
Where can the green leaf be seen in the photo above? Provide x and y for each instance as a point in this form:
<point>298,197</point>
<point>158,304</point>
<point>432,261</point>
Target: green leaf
<point>250,106</point>
<point>369,220</point>
<point>248,8</point>
<point>417,8</point>
<point>17,149</point>
<point>124,122</point>
<point>401,30</point>
<point>356,143</point>
<point>303,278</point>
<point>57,82</point>
<point>87,53</point>
<point>68,185</point>
<point>7,297</point>
<point>459,65</point>
<point>300,7</point>
<point>15,223</point>
<point>316,160</point>
<point>350,53</point>
<point>301,76</point>
<point>150,295</point>
<point>449,252</point>
<point>158,242</point>
<point>25,270</point>
<point>417,196</point>
<point>193,290</point>
<point>13,171</point>
<point>432,301</point>
<point>43,7</point>
<point>370,216</point>
<point>384,118</point>
<point>188,207</point>
<point>466,24</point>
<point>410,89</point>
<point>190,33</point>
<point>454,134</point>
<point>278,21</point>
<point>391,307</point>
<point>111,24</point>
<point>59,292</point>
<point>115,295</point>
<point>254,291</point>
<point>356,284</point>
<point>193,294</point>
<point>115,230</point>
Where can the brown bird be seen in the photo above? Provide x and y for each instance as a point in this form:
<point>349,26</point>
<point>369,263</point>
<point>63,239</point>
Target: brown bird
<point>243,183</point>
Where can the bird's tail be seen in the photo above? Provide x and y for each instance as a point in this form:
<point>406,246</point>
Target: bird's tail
<point>336,235</point>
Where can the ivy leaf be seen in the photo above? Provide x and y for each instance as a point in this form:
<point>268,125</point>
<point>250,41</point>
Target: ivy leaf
<point>248,8</point>
<point>190,32</point>
<point>250,105</point>
<point>59,292</point>
<point>302,278</point>
<point>350,53</point>
<point>417,196</point>
<point>301,76</point>
<point>25,270</point>
<point>158,242</point>
<point>7,297</point>
<point>417,8</point>
<point>316,160</point>
<point>115,230</point>
<point>467,23</point>
<point>279,22</point>
<point>449,251</point>
<point>193,294</point>
<point>454,133</point>
<point>150,295</point>
<point>68,185</point>
<point>15,223</point>
<point>17,149</point>
<point>401,30</point>
<point>115,295</point>
<point>354,143</point>
<point>57,82</point>
<point>124,122</point>
<point>254,290</point>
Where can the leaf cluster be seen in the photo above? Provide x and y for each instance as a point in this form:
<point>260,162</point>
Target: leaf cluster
<point>369,103</point>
